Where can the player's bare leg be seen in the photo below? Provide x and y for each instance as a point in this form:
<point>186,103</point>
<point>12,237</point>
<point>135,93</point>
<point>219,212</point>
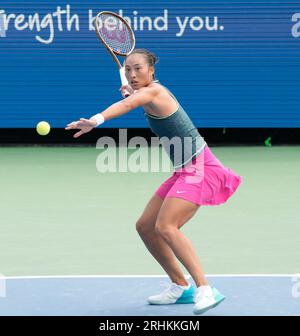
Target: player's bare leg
<point>173,214</point>
<point>156,245</point>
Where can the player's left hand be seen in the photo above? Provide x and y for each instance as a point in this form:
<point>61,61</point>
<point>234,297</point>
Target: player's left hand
<point>85,126</point>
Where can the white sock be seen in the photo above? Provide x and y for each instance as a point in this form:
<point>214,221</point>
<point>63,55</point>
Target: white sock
<point>185,287</point>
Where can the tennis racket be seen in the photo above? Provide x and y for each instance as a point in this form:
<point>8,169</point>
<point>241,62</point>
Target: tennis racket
<point>118,38</point>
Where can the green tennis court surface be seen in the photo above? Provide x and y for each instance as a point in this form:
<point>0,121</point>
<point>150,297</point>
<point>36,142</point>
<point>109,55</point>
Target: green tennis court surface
<point>59,215</point>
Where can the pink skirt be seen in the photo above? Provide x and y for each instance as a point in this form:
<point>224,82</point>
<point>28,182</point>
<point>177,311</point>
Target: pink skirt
<point>204,181</point>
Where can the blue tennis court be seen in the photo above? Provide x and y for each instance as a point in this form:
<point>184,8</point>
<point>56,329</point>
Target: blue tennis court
<point>126,296</point>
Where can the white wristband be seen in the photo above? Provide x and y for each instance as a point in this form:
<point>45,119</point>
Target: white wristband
<point>99,119</point>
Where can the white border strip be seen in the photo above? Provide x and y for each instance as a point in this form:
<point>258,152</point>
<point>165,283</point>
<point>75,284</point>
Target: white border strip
<point>142,276</point>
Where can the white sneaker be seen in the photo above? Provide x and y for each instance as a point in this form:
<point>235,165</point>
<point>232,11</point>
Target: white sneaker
<point>174,294</point>
<point>206,298</point>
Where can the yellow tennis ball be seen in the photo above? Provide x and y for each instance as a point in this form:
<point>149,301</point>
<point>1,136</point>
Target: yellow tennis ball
<point>43,128</point>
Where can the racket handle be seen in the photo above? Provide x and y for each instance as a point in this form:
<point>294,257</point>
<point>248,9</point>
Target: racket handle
<point>124,81</point>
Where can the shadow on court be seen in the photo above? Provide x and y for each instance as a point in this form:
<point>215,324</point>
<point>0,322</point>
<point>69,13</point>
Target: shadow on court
<point>126,296</point>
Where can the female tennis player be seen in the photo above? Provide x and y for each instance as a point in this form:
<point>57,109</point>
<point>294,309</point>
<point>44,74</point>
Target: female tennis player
<point>199,178</point>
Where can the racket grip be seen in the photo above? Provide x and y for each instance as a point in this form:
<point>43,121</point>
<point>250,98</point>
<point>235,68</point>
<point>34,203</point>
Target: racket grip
<point>124,80</point>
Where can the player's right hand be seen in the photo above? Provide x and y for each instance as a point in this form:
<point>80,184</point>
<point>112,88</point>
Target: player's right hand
<point>126,89</point>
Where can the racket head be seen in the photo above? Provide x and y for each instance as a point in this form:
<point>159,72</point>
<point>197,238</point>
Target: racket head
<point>115,33</point>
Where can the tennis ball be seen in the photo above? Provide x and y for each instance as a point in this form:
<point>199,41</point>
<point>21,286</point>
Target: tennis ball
<point>43,128</point>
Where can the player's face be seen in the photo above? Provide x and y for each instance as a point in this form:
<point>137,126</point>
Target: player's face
<point>138,72</point>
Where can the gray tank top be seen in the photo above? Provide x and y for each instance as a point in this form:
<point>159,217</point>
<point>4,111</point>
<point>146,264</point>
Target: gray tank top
<point>178,135</point>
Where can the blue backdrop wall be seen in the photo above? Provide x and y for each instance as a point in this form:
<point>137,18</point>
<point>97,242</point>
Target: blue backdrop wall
<point>230,63</point>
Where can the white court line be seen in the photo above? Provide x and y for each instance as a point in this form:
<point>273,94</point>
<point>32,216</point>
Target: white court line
<point>142,276</point>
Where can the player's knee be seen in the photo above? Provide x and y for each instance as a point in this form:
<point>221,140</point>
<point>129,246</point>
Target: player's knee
<point>142,227</point>
<point>164,230</point>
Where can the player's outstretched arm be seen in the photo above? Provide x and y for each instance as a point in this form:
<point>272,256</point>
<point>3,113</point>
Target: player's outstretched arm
<point>139,98</point>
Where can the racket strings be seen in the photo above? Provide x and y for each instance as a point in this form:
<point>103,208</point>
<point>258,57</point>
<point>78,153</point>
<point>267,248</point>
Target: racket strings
<point>115,33</point>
